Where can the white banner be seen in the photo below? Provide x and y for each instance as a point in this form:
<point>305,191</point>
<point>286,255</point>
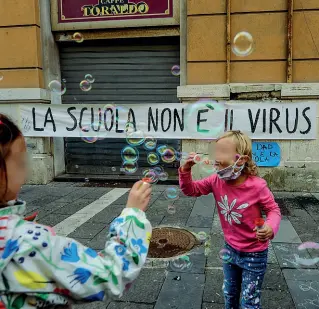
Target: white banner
<point>202,120</point>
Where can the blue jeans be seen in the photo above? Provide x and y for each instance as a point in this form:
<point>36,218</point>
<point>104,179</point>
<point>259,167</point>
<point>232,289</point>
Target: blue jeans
<point>243,274</point>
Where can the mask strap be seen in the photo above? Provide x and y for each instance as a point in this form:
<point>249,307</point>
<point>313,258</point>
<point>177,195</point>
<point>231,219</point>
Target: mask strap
<point>238,156</point>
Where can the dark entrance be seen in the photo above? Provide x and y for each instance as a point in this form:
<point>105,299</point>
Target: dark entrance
<point>130,71</point>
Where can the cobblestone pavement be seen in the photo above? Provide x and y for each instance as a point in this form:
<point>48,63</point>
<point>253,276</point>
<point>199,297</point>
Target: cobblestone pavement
<point>287,285</point>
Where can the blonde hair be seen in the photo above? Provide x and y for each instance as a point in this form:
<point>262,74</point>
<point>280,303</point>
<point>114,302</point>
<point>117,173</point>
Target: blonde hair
<point>243,147</point>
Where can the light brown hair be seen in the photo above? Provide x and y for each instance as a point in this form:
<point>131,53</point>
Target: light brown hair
<point>243,147</point>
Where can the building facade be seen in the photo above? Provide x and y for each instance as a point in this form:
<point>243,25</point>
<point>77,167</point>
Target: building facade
<point>130,47</point>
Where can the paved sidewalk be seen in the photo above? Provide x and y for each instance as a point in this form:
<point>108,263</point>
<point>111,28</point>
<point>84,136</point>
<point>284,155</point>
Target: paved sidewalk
<point>287,285</point>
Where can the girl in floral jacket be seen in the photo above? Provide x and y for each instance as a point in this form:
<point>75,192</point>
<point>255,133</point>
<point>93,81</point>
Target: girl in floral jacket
<point>42,270</point>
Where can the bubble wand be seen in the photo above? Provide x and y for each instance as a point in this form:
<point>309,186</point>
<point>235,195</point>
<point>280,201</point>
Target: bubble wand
<point>259,223</point>
<point>145,180</point>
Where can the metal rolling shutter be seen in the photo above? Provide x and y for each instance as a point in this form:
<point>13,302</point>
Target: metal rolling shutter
<point>128,71</point>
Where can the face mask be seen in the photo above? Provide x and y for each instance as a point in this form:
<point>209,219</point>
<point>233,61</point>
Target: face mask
<point>228,173</point>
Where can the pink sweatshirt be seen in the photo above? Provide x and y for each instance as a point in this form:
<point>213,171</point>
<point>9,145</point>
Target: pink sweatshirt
<point>238,207</point>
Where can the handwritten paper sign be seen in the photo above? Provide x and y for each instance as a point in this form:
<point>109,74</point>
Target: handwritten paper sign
<point>266,154</point>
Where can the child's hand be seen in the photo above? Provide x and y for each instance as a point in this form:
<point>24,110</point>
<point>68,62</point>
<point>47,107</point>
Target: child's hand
<point>139,196</point>
<point>264,233</point>
<point>189,162</point>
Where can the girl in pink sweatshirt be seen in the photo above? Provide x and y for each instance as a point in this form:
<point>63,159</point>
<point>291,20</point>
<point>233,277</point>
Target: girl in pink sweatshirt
<point>240,197</point>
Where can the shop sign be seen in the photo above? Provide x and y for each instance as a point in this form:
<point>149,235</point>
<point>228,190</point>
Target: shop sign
<point>86,14</point>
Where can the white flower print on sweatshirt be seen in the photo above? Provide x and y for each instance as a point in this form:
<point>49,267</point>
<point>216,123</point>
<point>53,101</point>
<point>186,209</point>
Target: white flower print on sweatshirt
<point>227,210</point>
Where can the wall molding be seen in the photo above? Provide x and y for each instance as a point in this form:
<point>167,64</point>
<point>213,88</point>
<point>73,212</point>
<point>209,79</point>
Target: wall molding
<point>203,91</point>
<point>293,90</point>
<point>25,95</point>
<point>300,90</point>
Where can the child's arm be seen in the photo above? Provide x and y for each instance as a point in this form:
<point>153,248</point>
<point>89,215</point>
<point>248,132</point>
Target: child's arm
<point>79,272</point>
<point>194,188</point>
<point>271,209</point>
<point>41,262</point>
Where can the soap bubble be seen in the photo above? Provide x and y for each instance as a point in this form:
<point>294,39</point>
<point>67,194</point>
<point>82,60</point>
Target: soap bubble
<point>308,245</point>
<point>118,115</point>
<point>109,106</point>
<point>171,209</point>
<point>57,87</point>
<point>207,167</point>
<point>169,155</point>
<point>161,149</point>
<point>172,193</point>
<point>158,170</point>
<point>86,179</point>
<point>129,154</point>
<point>308,159</point>
<point>309,179</point>
<point>197,159</point>
<point>85,85</point>
<point>135,138</point>
<point>225,255</point>
<point>207,251</point>
<point>113,169</point>
<point>122,113</point>
<point>243,44</point>
<point>181,264</point>
<point>150,175</point>
<point>306,193</point>
<point>163,176</point>
<point>89,78</point>
<point>89,140</point>
<point>129,128</point>
<point>306,262</point>
<point>76,166</point>
<point>152,158</point>
<point>212,115</point>
<point>178,156</point>
<point>202,236</point>
<point>78,37</point>
<point>150,143</point>
<point>85,135</point>
<point>176,70</point>
<point>207,248</point>
<point>129,167</point>
<point>184,155</point>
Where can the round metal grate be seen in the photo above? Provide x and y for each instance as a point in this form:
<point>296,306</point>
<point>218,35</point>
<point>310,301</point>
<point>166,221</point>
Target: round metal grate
<point>168,242</point>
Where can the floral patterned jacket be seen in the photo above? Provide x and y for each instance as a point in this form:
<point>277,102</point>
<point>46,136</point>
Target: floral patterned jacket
<point>42,270</point>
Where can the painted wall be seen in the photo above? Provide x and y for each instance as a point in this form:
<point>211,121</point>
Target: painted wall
<point>24,72</point>
<point>205,62</point>
<point>266,21</point>
<point>21,55</point>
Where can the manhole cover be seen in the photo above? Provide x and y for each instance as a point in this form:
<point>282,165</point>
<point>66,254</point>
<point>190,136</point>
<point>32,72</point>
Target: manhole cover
<point>168,242</point>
